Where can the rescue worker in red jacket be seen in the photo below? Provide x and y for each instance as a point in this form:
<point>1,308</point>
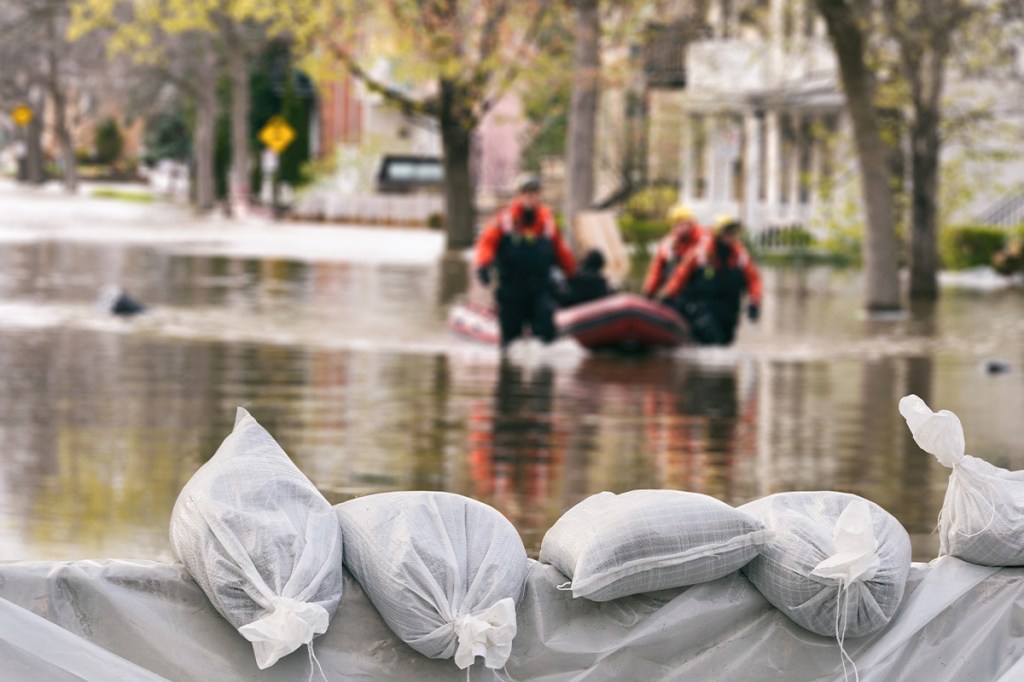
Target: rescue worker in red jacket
<point>685,235</point>
<point>523,244</point>
<point>708,287</point>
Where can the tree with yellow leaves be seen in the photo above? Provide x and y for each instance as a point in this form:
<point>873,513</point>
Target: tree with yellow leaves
<point>190,42</point>
<point>449,61</point>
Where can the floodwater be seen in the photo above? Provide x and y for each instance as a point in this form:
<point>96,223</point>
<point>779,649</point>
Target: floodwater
<point>335,340</point>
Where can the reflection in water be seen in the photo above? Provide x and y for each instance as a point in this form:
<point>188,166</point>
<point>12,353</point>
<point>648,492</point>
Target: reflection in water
<point>538,446</point>
<point>93,443</point>
<point>350,367</point>
<point>514,452</point>
<point>454,275</point>
<point>708,418</point>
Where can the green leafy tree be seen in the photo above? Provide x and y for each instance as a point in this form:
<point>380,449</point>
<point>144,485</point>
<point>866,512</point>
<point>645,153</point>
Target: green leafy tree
<point>895,57</point>
<point>930,39</point>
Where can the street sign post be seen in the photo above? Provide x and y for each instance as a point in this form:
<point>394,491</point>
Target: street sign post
<point>277,134</point>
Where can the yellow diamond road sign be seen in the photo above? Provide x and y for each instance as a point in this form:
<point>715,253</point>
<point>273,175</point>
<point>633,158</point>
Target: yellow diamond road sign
<point>277,134</point>
<point>21,114</point>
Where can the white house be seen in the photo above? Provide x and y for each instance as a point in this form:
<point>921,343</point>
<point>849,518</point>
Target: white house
<point>765,128</point>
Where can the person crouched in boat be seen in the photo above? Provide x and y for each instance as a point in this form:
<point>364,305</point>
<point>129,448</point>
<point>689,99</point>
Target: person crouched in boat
<point>588,284</point>
<point>686,234</point>
<point>523,244</point>
<point>708,287</point>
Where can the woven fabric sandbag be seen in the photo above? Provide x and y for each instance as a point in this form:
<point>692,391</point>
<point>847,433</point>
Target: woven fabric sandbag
<point>982,516</point>
<point>444,571</point>
<point>261,541</point>
<point>837,563</point>
<point>612,546</point>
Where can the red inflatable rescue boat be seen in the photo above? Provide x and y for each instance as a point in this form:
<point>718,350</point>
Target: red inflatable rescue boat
<point>474,322</point>
<point>623,322</point>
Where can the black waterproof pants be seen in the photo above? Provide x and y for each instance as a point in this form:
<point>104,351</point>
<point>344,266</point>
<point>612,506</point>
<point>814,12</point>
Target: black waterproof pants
<point>713,321</point>
<point>518,309</point>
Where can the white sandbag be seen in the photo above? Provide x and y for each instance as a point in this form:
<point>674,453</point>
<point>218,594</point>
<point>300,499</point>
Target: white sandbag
<point>836,564</point>
<point>261,541</point>
<point>982,516</point>
<point>444,571</point>
<point>612,546</point>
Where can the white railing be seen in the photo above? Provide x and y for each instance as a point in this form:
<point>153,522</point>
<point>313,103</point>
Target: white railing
<point>379,209</point>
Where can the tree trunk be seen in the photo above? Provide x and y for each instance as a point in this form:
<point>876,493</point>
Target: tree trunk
<point>893,128</point>
<point>203,149</point>
<point>241,104</point>
<point>67,149</point>
<point>924,251</point>
<point>881,268</point>
<point>457,125</point>
<point>924,68</point>
<point>583,108</point>
<point>35,172</point>
<point>60,118</point>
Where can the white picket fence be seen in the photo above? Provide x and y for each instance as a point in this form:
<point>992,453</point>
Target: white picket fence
<point>377,209</point>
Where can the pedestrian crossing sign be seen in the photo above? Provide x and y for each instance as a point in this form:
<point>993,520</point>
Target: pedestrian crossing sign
<point>277,134</point>
<point>22,115</point>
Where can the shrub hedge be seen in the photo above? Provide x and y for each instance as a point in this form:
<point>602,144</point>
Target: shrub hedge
<point>968,246</point>
<point>642,232</point>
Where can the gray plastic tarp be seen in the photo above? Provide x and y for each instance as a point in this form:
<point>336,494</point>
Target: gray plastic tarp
<point>138,620</point>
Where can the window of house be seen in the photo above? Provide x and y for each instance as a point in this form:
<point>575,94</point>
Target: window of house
<point>762,157</point>
<point>698,159</point>
<point>787,154</point>
<point>737,162</point>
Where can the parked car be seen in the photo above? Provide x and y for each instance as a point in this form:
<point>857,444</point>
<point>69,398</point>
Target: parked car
<point>407,173</point>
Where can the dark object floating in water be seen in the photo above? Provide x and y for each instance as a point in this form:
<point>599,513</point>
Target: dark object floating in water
<point>996,367</point>
<point>116,301</point>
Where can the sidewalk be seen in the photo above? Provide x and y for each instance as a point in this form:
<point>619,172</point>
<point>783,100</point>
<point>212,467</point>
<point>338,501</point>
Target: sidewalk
<point>47,213</point>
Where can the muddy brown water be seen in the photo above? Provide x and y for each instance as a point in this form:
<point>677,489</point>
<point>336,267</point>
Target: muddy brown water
<point>350,366</point>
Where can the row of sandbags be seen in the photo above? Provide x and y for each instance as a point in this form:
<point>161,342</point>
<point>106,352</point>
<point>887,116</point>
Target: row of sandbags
<point>446,572</point>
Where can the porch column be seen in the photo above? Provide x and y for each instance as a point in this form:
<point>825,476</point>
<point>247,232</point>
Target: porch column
<point>712,128</point>
<point>750,213</point>
<point>724,158</point>
<point>773,146</point>
<point>686,175</point>
<point>817,164</point>
<point>793,181</point>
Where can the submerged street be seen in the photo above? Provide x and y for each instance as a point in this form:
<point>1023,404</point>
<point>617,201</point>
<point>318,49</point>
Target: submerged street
<point>334,338</point>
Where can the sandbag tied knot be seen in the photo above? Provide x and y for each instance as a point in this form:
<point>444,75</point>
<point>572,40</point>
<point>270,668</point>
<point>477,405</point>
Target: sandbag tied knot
<point>939,433</point>
<point>856,555</point>
<point>856,559</point>
<point>289,625</point>
<point>488,633</point>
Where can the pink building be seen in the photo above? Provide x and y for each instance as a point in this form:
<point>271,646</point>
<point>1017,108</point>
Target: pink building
<point>499,142</point>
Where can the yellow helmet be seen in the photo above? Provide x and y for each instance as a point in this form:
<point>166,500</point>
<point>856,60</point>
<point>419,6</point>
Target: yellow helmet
<point>679,213</point>
<point>726,223</point>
